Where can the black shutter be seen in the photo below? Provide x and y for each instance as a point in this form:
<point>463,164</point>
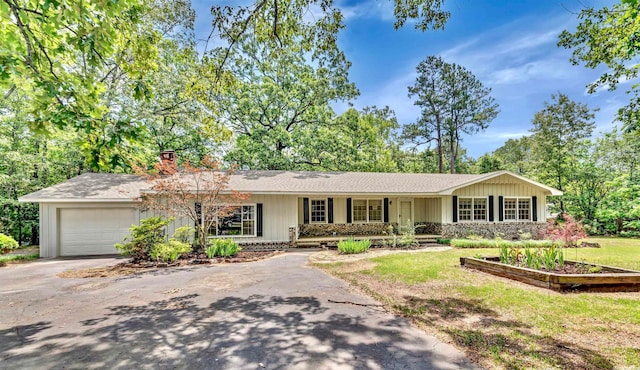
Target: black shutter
<point>490,208</point>
<point>348,210</point>
<point>330,210</point>
<point>305,210</point>
<point>534,208</point>
<point>259,219</point>
<point>386,210</point>
<point>455,208</point>
<point>501,208</point>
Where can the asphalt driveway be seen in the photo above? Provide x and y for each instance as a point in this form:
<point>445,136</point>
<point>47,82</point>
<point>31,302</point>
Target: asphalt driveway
<point>271,314</point>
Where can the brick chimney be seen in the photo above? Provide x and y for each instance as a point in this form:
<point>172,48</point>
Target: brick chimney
<point>168,158</point>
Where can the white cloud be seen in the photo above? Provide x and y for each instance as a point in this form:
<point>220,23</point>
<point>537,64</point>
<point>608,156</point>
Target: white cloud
<point>369,9</point>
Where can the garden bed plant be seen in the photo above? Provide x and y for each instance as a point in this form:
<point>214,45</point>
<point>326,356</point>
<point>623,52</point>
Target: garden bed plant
<point>148,247</point>
<point>547,267</point>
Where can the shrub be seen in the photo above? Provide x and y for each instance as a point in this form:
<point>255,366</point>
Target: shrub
<point>408,238</point>
<point>392,239</point>
<point>7,243</point>
<point>443,241</point>
<point>499,243</point>
<point>566,230</point>
<point>184,234</point>
<point>352,246</point>
<point>144,238</point>
<point>223,248</point>
<point>169,251</point>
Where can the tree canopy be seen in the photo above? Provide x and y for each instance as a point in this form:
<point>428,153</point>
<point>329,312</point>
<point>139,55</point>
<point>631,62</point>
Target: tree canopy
<point>453,101</point>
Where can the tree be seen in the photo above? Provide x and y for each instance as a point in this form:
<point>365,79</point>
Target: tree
<point>609,36</point>
<point>59,53</point>
<point>586,183</point>
<point>281,99</point>
<point>29,162</point>
<point>488,163</point>
<point>515,155</point>
<point>200,194</point>
<point>453,102</point>
<point>355,141</point>
<point>557,134</point>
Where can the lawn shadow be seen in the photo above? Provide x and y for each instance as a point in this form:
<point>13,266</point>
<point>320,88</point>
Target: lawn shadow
<point>511,343</point>
<point>259,331</point>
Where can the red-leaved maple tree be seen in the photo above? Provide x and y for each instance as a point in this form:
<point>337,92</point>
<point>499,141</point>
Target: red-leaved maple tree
<point>200,193</point>
<point>565,229</point>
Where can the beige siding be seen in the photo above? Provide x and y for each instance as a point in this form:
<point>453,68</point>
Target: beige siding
<point>447,214</point>
<point>279,214</point>
<point>420,210</point>
<point>340,210</point>
<point>393,210</point>
<point>433,209</point>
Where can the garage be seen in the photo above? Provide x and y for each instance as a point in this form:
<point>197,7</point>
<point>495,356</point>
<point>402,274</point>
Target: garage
<point>93,231</point>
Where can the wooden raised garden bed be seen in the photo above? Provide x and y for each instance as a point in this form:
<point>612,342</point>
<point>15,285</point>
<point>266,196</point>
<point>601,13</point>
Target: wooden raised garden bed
<point>609,279</point>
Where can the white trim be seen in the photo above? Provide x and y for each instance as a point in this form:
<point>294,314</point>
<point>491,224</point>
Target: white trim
<point>486,218</point>
<point>255,222</point>
<point>368,221</point>
<point>504,219</point>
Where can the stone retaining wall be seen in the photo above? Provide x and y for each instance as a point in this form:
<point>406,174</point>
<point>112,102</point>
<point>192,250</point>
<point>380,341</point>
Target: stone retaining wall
<point>489,230</point>
<point>320,230</point>
<point>428,228</point>
<point>264,246</point>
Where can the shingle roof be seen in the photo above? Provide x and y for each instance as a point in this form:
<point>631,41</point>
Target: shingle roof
<point>91,187</point>
<point>344,182</point>
<point>120,187</point>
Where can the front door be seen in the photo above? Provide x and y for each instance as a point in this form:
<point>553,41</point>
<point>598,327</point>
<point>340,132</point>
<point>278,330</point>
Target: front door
<point>405,215</point>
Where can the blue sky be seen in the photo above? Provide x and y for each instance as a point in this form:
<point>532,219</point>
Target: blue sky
<point>510,46</point>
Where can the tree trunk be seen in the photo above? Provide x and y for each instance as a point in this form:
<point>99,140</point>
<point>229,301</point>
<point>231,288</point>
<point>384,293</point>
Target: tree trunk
<point>452,156</point>
<point>35,235</point>
<point>440,154</point>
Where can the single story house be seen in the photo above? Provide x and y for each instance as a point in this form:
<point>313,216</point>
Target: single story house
<point>88,214</point>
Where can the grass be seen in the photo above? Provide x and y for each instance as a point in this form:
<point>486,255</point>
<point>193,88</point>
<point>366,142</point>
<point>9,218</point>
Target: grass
<point>500,323</point>
<point>12,258</point>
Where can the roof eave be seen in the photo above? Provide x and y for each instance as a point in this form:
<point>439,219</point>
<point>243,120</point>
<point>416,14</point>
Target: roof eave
<point>76,200</point>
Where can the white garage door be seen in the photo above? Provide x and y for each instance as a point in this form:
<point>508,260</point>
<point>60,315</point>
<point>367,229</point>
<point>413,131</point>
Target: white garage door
<point>93,231</point>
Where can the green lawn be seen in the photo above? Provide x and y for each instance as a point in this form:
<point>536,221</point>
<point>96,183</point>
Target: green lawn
<point>505,324</point>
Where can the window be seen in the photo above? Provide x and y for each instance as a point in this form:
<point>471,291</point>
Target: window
<point>464,209</point>
<point>375,210</point>
<point>472,209</point>
<point>367,210</point>
<point>480,209</point>
<point>359,210</point>
<point>517,209</point>
<point>318,210</point>
<point>240,222</point>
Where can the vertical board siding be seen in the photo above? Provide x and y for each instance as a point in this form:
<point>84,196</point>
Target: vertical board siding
<point>340,210</point>
<point>433,208</point>
<point>420,210</point>
<point>393,210</point>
